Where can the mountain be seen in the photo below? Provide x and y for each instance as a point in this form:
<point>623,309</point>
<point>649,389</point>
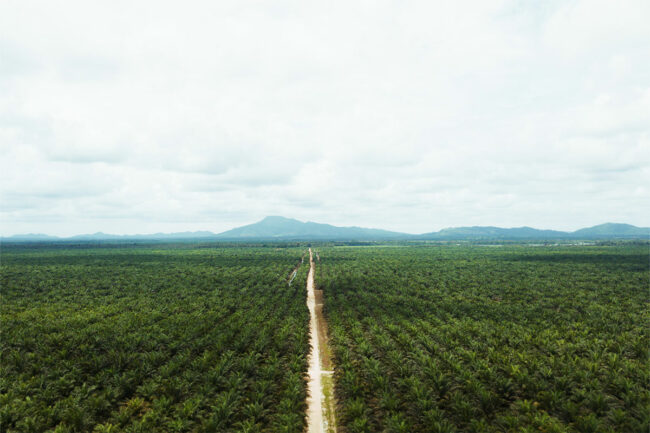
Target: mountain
<point>99,236</point>
<point>31,237</point>
<point>613,230</point>
<point>154,236</point>
<point>94,237</point>
<point>280,228</point>
<point>488,232</point>
<point>277,227</point>
<point>603,231</point>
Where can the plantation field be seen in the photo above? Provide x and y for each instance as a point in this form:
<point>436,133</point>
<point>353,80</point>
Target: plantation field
<point>152,339</point>
<point>485,339</point>
<point>424,338</point>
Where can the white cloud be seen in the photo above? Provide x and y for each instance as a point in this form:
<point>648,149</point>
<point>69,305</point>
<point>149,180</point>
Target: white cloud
<point>152,116</point>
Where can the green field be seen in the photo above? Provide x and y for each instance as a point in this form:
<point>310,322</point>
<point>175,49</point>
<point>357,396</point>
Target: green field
<point>430,338</point>
<point>489,339</point>
<point>152,339</point>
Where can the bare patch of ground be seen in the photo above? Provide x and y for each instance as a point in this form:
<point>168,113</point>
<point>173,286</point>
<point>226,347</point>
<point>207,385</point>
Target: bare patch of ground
<point>323,343</point>
<point>320,399</point>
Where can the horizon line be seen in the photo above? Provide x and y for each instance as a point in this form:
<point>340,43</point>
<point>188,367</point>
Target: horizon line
<point>210,233</point>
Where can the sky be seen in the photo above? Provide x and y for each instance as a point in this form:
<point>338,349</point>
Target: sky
<point>154,116</point>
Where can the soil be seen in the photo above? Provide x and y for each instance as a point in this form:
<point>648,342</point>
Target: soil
<point>320,399</point>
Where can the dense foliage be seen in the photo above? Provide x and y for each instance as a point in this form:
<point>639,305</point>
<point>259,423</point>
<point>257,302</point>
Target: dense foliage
<point>147,339</point>
<point>488,339</point>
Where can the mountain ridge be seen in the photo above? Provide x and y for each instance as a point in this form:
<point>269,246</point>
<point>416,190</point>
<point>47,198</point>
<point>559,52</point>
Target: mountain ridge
<point>281,228</point>
<point>606,230</point>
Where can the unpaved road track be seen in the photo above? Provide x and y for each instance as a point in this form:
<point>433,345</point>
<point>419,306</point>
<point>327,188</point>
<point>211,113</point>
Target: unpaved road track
<point>320,399</point>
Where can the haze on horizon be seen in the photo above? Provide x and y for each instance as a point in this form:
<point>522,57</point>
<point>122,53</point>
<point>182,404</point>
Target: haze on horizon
<point>143,117</point>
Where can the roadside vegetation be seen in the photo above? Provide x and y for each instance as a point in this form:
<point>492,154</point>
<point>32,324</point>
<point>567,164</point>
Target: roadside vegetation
<point>489,339</point>
<point>152,339</point>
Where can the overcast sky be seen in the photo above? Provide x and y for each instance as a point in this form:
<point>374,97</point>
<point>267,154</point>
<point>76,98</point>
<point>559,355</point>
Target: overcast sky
<point>148,116</point>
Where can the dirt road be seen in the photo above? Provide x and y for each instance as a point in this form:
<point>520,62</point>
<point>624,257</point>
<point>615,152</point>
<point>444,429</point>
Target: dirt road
<point>320,399</point>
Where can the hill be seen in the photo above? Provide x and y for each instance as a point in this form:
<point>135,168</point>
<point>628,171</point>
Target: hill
<point>277,227</point>
<point>281,228</point>
<point>613,230</point>
<point>99,236</point>
<point>602,231</point>
<point>488,232</point>
<point>154,236</point>
<point>30,237</point>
